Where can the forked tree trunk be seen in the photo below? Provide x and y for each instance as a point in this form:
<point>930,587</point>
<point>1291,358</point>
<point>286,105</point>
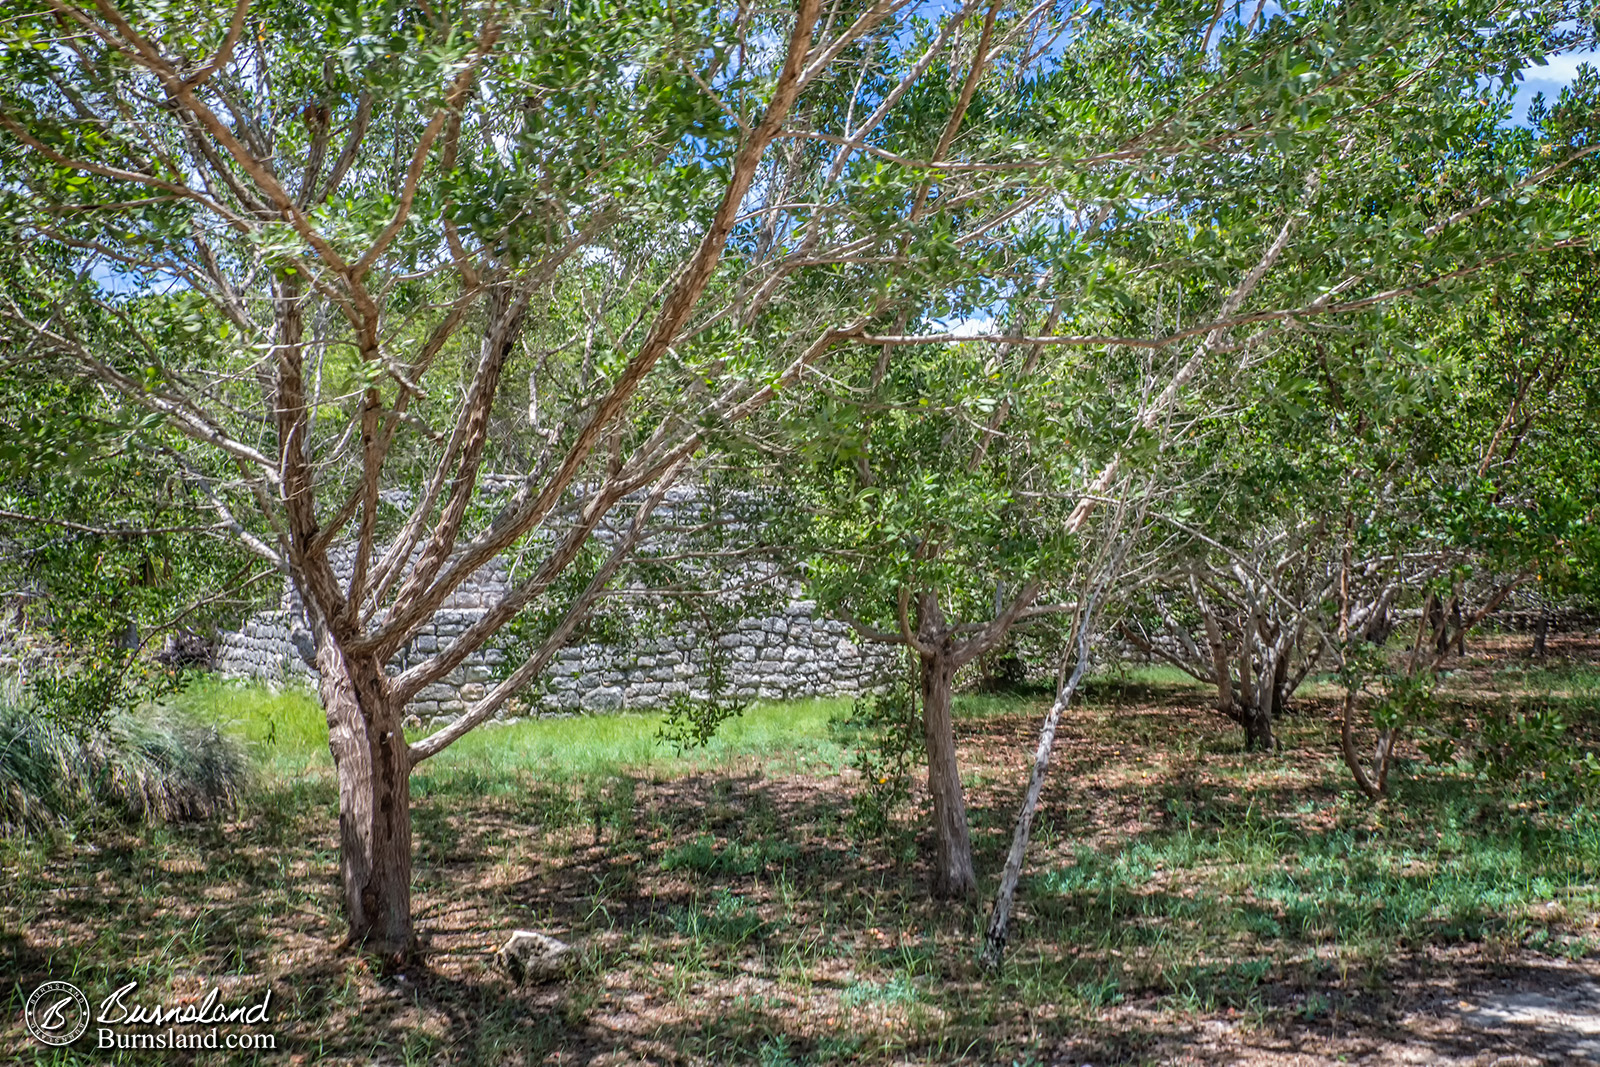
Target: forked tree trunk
<point>1258,727</point>
<point>1271,697</point>
<point>1261,705</point>
<point>953,874</point>
<point>374,772</point>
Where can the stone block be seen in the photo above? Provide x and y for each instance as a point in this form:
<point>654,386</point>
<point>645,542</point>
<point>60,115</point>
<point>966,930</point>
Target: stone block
<point>605,698</point>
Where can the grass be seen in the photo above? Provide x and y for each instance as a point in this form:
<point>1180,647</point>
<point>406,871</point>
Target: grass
<point>727,913</point>
<point>147,763</point>
<point>284,729</point>
<point>287,730</point>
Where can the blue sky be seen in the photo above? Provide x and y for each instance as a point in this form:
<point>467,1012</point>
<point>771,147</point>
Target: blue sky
<point>1549,79</point>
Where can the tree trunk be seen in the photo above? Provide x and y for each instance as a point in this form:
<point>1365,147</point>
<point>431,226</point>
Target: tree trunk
<point>1221,668</point>
<point>994,938</point>
<point>1258,711</point>
<point>1280,683</point>
<point>1258,726</point>
<point>1347,736</point>
<point>1541,634</point>
<point>374,771</point>
<point>953,872</point>
<point>1435,616</point>
<point>1446,614</point>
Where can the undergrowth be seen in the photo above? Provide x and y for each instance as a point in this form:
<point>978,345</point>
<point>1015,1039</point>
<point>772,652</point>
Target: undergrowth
<point>728,907</point>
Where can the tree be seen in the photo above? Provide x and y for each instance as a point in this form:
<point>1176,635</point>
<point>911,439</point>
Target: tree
<point>1427,461</point>
<point>103,557</point>
<point>1192,206</point>
<point>930,532</point>
<point>1505,504</point>
<point>323,247</point>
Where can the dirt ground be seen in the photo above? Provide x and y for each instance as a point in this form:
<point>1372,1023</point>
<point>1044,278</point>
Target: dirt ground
<point>785,941</point>
<point>1519,1013</point>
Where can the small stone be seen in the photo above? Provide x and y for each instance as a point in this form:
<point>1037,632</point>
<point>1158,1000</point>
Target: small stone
<point>535,957</point>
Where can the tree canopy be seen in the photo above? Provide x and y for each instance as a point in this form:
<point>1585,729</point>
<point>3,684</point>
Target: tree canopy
<point>951,278</point>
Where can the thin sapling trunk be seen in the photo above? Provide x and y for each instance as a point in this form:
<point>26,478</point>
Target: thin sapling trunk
<point>994,938</point>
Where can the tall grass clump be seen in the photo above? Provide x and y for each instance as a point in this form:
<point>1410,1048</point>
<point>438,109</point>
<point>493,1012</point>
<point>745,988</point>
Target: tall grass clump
<point>152,763</point>
<point>36,759</point>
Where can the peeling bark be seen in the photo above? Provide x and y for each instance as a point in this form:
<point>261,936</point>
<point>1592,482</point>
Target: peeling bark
<point>374,773</point>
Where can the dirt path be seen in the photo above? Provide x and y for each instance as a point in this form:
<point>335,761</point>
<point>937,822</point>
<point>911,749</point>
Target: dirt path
<point>1529,1014</point>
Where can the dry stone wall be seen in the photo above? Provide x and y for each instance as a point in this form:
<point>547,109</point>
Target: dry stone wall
<point>791,655</point>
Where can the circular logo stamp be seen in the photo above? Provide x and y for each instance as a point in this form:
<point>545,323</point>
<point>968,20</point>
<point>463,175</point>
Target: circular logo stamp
<point>57,1013</point>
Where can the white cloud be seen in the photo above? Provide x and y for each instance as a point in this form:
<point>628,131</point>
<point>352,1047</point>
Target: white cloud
<point>970,327</point>
<point>1558,71</point>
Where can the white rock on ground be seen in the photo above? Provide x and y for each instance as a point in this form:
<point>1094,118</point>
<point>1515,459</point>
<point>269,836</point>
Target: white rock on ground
<point>534,957</point>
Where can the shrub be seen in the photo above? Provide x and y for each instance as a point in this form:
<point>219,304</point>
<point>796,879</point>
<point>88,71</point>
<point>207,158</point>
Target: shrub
<point>152,763</point>
<point>36,759</point>
<point>884,733</point>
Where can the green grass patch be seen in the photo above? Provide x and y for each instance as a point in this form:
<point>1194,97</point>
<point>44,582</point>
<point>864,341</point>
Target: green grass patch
<point>284,728</point>
<point>288,732</point>
<point>704,855</point>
